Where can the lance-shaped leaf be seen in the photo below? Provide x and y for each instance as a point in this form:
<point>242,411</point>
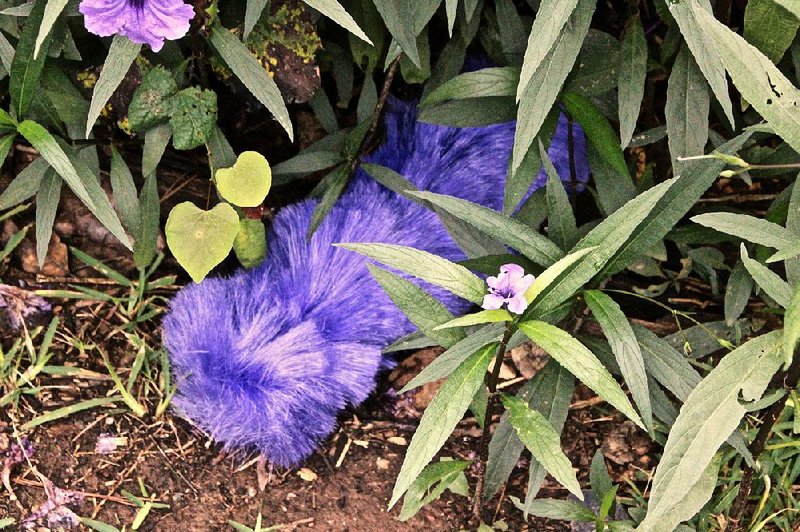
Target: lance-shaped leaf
<point>760,82</point>
<point>119,60</point>
<point>769,281</point>
<point>26,70</point>
<point>516,234</point>
<point>497,81</point>
<point>426,266</point>
<point>83,183</point>
<point>424,311</point>
<point>51,12</point>
<point>547,26</point>
<point>746,227</point>
<point>561,225</point>
<point>606,238</point>
<point>334,11</point>
<point>441,417</point>
<point>705,53</point>
<point>791,328</point>
<point>252,74</point>
<point>692,182</point>
<point>581,362</point>
<point>484,316</point>
<point>548,392</point>
<point>631,78</point>
<point>687,108</point>
<point>539,94</point>
<point>447,362</point>
<point>625,348</point>
<point>542,440</point>
<point>710,414</point>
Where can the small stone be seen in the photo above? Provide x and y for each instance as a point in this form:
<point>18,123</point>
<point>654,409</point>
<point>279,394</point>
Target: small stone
<point>307,475</point>
<point>398,440</point>
<point>382,463</point>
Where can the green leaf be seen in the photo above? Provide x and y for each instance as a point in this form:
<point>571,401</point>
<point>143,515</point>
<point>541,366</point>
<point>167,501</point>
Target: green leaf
<point>398,17</point>
<point>544,443</point>
<point>447,362</point>
<point>669,367</point>
<point>305,163</point>
<point>247,182</point>
<point>694,500</point>
<point>5,146</point>
<point>757,78</point>
<point>793,227</point>
<point>250,244</point>
<point>687,108</point>
<point>146,240</point>
<point>252,12</point>
<point>26,70</point>
<point>149,105</point>
<point>737,293</point>
<point>155,143</point>
<point>426,266</point>
<point>51,12</point>
<point>252,74</point>
<point>625,347</point>
<point>424,311</point>
<point>518,184</point>
<point>710,414</point>
<point>334,184</point>
<point>516,234</point>
<point>549,392</point>
<point>545,33</point>
<point>334,11</point>
<point>430,484</point>
<point>791,328</point>
<point>46,206</point>
<point>477,318</point>
<point>690,184</point>
<point>709,57</point>
<point>770,27</point>
<point>193,117</point>
<point>561,226</point>
<point>498,81</point>
<point>607,238</point>
<point>750,228</point>
<point>539,94</point>
<point>440,418</point>
<point>25,184</point>
<point>473,112</point>
<point>125,195</point>
<point>631,78</point>
<point>544,279</point>
<point>598,476</point>
<point>601,135</point>
<point>557,509</point>
<point>767,280</point>
<point>84,185</point>
<point>201,239</point>
<point>581,362</point>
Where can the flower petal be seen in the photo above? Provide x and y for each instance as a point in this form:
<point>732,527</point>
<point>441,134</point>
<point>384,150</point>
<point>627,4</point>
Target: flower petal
<point>517,304</point>
<point>492,302</point>
<point>104,17</point>
<point>512,269</point>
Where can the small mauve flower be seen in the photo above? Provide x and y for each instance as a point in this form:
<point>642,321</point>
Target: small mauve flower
<point>508,287</point>
<point>141,21</point>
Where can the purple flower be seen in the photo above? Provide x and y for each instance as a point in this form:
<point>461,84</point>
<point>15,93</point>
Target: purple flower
<point>142,21</point>
<point>508,287</point>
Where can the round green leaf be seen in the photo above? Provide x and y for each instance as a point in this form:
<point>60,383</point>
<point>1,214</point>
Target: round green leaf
<point>250,244</point>
<point>201,239</point>
<point>247,182</point>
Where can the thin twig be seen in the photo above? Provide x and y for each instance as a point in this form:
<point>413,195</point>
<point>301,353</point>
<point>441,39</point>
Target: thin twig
<point>376,117</point>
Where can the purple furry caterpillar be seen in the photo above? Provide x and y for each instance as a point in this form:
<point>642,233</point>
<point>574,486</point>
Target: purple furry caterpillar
<point>266,359</point>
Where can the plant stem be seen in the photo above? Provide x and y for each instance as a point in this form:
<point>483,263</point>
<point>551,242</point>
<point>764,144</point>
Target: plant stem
<point>483,446</point>
<point>376,117</point>
<point>773,414</point>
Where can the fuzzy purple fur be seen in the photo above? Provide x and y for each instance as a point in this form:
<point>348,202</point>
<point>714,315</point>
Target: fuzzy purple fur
<point>267,358</point>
